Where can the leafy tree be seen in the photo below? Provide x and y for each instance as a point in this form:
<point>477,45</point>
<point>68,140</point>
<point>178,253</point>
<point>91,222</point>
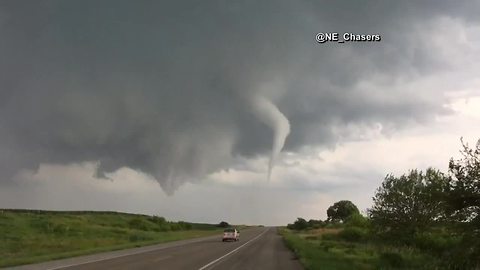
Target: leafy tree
<point>341,210</point>
<point>463,203</point>
<point>408,204</point>
<point>464,192</point>
<point>223,224</point>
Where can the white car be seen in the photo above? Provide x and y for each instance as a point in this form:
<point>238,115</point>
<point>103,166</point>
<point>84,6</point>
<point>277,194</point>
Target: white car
<point>231,234</point>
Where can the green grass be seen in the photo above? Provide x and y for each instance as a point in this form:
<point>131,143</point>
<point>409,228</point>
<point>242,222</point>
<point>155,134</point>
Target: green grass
<point>329,251</point>
<point>28,236</point>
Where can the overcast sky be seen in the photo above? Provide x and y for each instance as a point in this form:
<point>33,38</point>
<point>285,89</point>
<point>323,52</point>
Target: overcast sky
<point>177,109</point>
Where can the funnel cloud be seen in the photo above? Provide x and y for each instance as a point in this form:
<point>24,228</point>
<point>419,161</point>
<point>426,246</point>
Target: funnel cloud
<point>269,114</point>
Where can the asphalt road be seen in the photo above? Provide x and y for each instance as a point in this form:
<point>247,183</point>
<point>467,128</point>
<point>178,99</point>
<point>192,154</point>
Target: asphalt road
<point>258,248</point>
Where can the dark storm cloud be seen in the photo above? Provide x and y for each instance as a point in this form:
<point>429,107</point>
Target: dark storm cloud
<point>166,88</point>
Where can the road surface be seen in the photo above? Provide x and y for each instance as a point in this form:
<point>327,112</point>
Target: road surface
<point>258,248</point>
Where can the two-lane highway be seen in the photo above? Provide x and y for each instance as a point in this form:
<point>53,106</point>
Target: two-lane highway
<point>258,248</point>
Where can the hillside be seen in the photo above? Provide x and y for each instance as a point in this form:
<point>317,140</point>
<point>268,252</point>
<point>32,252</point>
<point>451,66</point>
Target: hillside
<point>28,236</point>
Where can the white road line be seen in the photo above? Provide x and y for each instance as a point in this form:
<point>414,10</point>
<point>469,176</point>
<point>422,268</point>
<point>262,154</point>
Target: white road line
<point>231,252</point>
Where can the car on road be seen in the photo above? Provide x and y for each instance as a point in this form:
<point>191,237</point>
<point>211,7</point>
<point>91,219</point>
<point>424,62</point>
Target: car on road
<point>231,234</point>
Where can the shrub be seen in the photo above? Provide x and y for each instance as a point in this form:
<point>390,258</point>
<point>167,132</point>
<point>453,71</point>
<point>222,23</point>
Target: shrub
<point>332,225</point>
<point>138,224</point>
<point>175,227</point>
<point>326,246</point>
<point>185,225</point>
<point>391,259</point>
<point>312,237</point>
<point>330,236</point>
<point>357,220</point>
<point>316,224</point>
<point>164,227</point>
<point>436,242</point>
<point>352,234</point>
<point>157,220</point>
<point>298,225</point>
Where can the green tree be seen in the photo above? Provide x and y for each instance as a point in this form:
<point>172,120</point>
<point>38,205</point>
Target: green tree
<point>223,224</point>
<point>463,204</point>
<point>341,210</point>
<point>464,188</point>
<point>411,203</point>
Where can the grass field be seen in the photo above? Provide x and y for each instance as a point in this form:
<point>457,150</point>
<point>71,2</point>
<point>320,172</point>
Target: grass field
<point>28,236</point>
<point>325,249</point>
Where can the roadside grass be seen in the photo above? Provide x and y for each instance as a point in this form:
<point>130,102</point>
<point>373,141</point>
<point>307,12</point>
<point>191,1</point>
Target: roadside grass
<point>321,249</point>
<point>29,236</point>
